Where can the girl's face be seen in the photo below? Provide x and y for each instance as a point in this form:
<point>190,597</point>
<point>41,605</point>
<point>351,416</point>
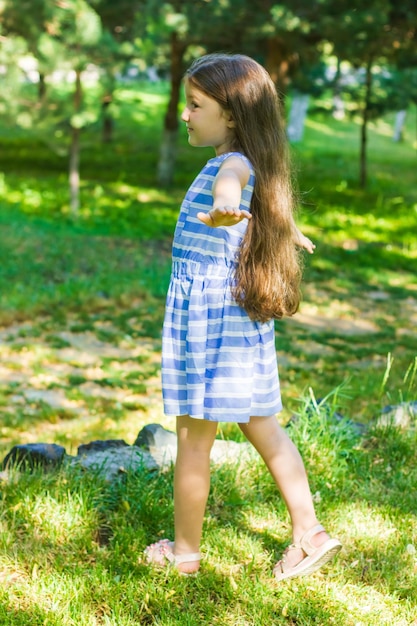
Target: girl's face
<point>207,123</point>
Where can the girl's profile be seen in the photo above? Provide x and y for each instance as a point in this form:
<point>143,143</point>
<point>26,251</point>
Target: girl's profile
<point>236,266</point>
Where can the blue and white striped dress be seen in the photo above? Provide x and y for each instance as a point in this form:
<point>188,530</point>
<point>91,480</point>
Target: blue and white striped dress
<point>217,364</point>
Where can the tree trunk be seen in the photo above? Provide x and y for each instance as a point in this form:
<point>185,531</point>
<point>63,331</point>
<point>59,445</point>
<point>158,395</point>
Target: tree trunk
<point>106,101</point>
<point>168,149</point>
<point>338,104</point>
<point>364,128</point>
<point>41,87</point>
<point>297,116</point>
<point>278,63</point>
<point>167,157</point>
<point>74,171</point>
<point>74,160</point>
<point>399,125</point>
<point>108,125</point>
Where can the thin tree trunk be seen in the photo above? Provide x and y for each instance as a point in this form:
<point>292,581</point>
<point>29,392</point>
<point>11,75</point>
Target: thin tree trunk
<point>364,128</point>
<point>74,160</point>
<point>108,124</point>
<point>399,125</point>
<point>107,99</point>
<point>41,87</point>
<point>338,104</point>
<point>168,149</point>
<point>297,116</point>
<point>74,171</point>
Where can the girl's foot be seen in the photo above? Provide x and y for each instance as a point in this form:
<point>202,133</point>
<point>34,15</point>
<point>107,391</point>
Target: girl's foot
<point>162,554</point>
<point>314,549</point>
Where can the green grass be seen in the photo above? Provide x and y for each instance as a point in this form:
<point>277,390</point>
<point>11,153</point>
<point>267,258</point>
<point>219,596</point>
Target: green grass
<point>81,308</point>
<point>71,547</point>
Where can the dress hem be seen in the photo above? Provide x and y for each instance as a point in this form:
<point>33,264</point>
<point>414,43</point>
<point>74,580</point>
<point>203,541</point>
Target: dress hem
<point>238,420</point>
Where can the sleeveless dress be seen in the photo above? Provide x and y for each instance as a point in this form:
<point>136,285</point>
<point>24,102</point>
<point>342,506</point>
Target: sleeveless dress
<point>217,364</point>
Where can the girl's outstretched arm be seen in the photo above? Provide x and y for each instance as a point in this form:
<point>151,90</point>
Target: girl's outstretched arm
<point>232,177</point>
<point>304,242</point>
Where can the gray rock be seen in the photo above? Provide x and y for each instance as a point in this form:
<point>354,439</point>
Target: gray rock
<point>403,415</point>
<point>154,435</point>
<point>116,461</point>
<point>101,446</point>
<point>155,448</point>
<point>31,455</point>
<point>332,417</point>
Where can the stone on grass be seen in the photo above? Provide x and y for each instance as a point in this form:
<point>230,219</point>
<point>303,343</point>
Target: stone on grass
<point>115,461</point>
<point>101,446</point>
<point>31,455</point>
<point>155,449</point>
<point>155,436</point>
<point>403,415</point>
<point>333,417</point>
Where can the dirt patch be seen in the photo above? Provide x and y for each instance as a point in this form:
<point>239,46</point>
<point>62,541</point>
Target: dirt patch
<point>65,386</point>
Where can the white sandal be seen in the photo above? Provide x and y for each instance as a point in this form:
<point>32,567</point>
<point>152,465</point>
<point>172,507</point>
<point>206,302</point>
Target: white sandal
<point>314,559</point>
<point>161,554</point>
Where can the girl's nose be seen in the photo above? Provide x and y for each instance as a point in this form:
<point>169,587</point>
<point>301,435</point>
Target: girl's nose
<point>185,115</point>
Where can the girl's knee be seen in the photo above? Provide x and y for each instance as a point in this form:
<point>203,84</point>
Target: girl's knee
<point>195,435</point>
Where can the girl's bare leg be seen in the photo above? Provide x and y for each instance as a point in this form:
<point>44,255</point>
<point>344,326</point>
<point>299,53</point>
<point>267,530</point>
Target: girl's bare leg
<point>191,484</point>
<point>287,469</point>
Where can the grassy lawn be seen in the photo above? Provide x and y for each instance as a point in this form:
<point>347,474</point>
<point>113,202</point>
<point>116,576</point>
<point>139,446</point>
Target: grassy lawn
<point>81,308</point>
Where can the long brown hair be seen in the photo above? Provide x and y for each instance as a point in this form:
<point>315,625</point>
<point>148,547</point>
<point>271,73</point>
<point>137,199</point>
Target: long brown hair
<point>268,273</point>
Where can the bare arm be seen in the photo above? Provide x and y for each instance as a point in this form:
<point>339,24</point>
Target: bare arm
<point>232,177</point>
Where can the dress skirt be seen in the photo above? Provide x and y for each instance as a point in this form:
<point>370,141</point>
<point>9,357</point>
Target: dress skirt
<point>217,364</point>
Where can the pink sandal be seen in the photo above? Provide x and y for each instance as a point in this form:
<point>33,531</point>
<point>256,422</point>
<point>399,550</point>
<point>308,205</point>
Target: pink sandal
<point>161,554</point>
<point>314,559</point>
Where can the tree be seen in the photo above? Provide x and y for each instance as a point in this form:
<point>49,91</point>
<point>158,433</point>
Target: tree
<point>123,29</point>
<point>370,37</point>
<point>405,58</point>
<point>73,34</point>
<point>189,28</point>
<point>375,38</point>
<point>65,38</point>
<point>26,19</point>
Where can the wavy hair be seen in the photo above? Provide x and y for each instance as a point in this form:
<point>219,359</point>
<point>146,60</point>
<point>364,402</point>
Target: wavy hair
<point>268,273</point>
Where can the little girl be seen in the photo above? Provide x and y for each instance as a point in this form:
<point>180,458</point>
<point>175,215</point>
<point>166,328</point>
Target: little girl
<point>235,268</point>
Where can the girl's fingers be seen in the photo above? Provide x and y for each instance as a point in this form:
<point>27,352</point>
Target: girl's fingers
<point>205,218</point>
<point>231,210</point>
<point>223,216</point>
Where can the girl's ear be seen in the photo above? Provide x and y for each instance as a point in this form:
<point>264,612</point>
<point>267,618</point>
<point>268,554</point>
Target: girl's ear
<point>229,119</point>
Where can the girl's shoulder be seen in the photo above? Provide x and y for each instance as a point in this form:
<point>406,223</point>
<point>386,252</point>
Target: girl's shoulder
<point>218,160</point>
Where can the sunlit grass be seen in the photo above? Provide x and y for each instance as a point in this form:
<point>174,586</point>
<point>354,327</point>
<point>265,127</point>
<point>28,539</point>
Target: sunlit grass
<point>60,571</point>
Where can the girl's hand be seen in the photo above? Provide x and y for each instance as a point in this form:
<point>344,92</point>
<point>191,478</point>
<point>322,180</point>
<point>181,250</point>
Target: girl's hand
<point>304,242</point>
<point>224,216</point>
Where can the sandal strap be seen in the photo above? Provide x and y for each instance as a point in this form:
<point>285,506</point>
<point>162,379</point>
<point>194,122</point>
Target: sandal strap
<point>303,544</point>
<point>166,547</point>
<point>305,541</point>
<point>191,557</point>
<point>282,564</point>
